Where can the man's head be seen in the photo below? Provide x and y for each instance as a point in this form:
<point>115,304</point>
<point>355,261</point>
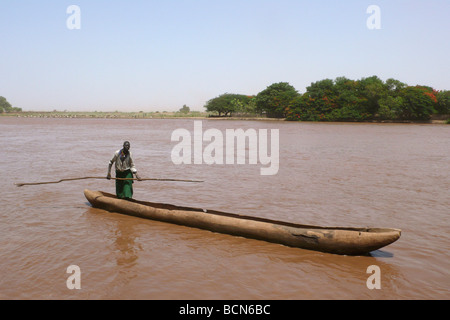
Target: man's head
<point>126,146</point>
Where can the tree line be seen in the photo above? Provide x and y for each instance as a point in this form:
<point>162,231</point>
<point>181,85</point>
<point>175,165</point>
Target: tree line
<point>341,99</point>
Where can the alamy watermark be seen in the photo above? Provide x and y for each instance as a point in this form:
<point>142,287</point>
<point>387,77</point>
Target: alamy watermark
<point>73,22</point>
<point>374,280</point>
<point>374,20</point>
<point>227,148</point>
<point>74,280</point>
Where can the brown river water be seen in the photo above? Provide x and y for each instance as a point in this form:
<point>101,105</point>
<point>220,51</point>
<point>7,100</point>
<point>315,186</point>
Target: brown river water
<point>377,175</point>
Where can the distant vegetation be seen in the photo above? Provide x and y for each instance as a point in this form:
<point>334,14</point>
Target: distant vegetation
<point>341,99</point>
<point>112,115</point>
<point>185,109</point>
<point>5,106</point>
<point>228,104</point>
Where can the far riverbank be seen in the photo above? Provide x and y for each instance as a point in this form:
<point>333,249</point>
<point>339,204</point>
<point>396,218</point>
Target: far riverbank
<point>436,119</point>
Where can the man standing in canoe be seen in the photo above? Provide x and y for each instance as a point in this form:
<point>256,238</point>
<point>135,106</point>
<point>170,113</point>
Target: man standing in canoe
<point>124,169</point>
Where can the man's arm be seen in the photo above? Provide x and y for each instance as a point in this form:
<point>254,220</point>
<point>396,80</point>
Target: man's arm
<point>133,168</point>
<point>108,175</point>
<point>137,176</point>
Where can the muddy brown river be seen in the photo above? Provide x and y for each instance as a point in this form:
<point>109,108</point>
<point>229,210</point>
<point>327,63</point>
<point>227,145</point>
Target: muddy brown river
<point>376,175</point>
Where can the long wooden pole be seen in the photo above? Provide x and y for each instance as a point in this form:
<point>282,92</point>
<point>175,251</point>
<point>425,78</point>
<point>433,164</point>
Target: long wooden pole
<point>85,178</point>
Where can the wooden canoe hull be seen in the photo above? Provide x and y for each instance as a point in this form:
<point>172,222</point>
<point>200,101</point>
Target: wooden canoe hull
<point>337,240</point>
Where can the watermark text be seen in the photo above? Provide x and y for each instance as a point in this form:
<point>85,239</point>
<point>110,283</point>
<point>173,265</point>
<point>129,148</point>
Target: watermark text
<point>73,22</point>
<point>374,20</point>
<point>74,280</point>
<point>227,148</point>
<point>374,280</point>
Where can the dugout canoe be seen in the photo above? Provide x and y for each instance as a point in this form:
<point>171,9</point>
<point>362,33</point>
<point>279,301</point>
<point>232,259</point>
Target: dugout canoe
<point>337,240</point>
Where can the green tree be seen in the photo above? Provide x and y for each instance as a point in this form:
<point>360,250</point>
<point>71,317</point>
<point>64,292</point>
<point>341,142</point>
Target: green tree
<point>303,109</point>
<point>322,97</point>
<point>220,104</point>
<point>371,89</point>
<point>276,100</point>
<point>443,102</point>
<point>351,101</point>
<point>5,106</point>
<point>323,88</point>
<point>250,106</point>
<point>393,85</point>
<point>185,109</point>
<point>226,103</point>
<point>243,104</point>
<point>418,103</point>
<point>338,100</point>
<point>390,107</point>
<point>390,102</point>
<point>238,105</point>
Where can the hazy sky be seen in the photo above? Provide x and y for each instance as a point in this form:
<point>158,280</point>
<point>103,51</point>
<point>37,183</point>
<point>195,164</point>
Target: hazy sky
<point>132,55</point>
